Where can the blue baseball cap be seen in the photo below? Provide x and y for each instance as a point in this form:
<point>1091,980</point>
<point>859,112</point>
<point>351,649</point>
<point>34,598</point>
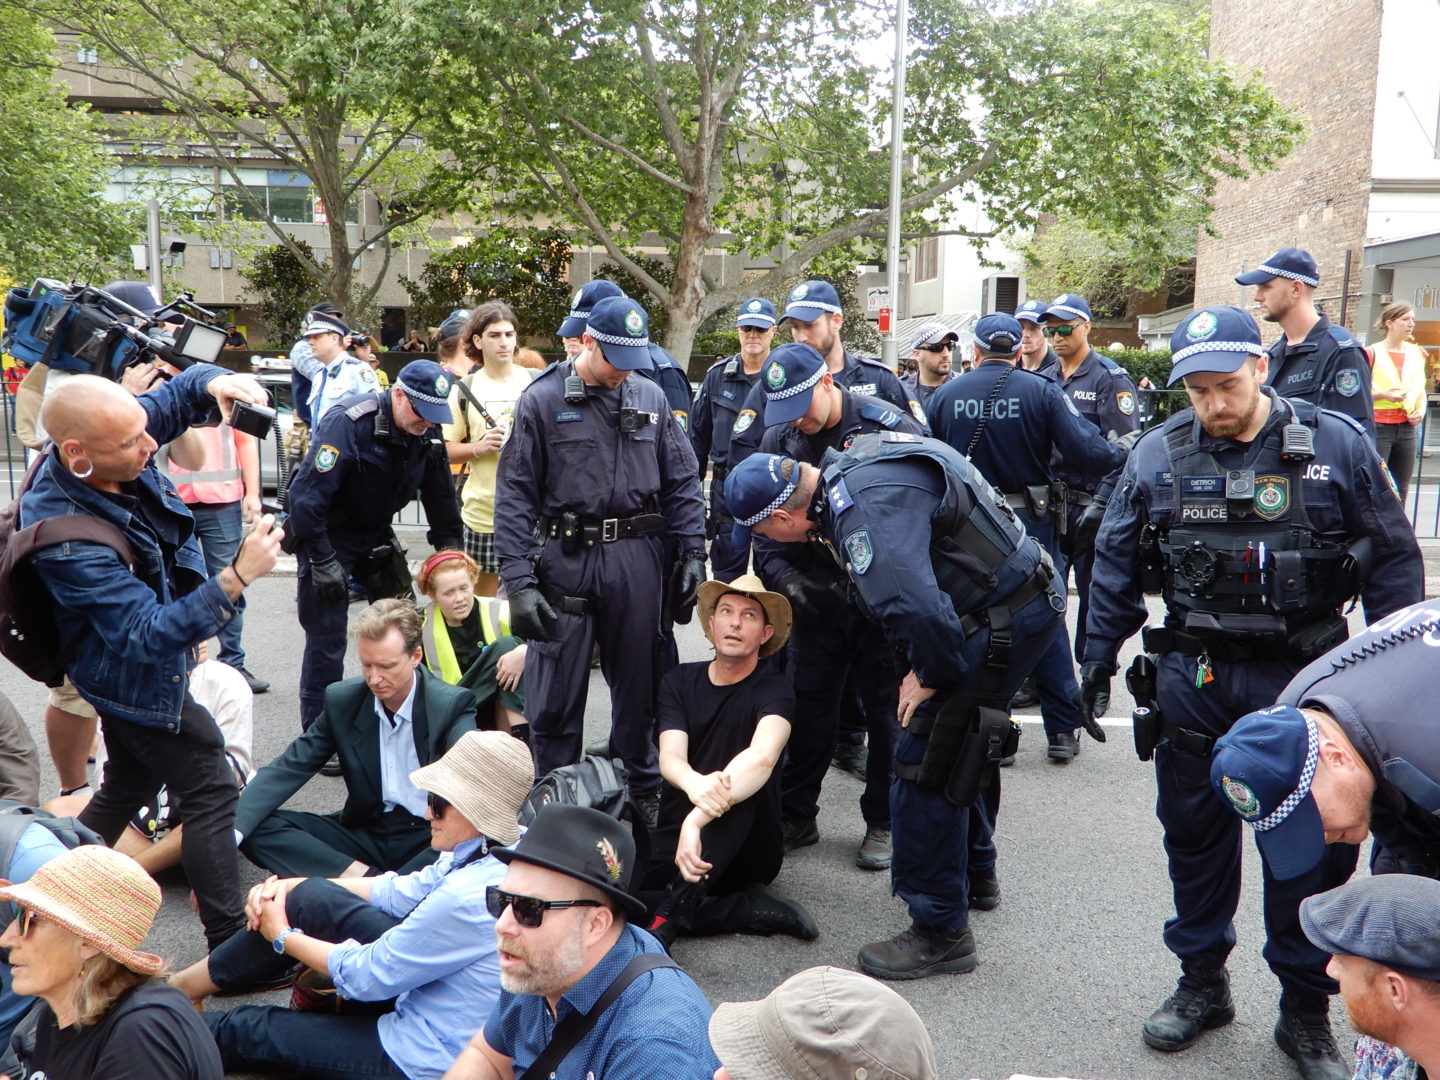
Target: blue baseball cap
<point>998,333</point>
<point>454,323</point>
<point>932,333</point>
<point>583,302</point>
<point>1288,262</point>
<point>1068,306</point>
<point>757,311</point>
<point>427,387</point>
<point>1388,919</point>
<point>811,299</point>
<point>1263,767</point>
<point>755,489</point>
<point>622,328</point>
<point>1216,339</point>
<point>137,294</point>
<point>1032,311</point>
<point>789,378</point>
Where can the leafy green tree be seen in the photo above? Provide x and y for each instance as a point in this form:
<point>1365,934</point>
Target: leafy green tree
<point>754,125</point>
<point>52,168</point>
<point>283,286</point>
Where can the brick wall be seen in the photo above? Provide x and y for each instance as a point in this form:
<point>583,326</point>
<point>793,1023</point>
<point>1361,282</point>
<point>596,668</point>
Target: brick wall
<point>1322,58</point>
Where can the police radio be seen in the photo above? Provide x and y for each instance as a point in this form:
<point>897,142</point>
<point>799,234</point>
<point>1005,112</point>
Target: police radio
<point>1297,443</point>
<point>574,390</point>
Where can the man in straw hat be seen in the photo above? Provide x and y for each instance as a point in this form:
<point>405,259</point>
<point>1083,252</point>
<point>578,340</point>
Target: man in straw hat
<point>563,923</point>
<point>423,938</point>
<point>723,728</point>
<point>823,1024</point>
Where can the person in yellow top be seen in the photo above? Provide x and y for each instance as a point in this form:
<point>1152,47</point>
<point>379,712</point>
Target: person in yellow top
<point>467,641</point>
<point>1398,387</point>
<point>483,403</point>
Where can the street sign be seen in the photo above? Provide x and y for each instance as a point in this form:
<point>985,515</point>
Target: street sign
<point>884,320</point>
<point>876,297</point>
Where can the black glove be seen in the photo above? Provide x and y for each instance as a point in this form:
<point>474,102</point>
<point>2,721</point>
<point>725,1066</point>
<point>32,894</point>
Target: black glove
<point>1127,441</point>
<point>1094,682</point>
<point>330,582</point>
<point>1083,532</point>
<point>810,600</point>
<point>688,575</point>
<point>528,611</point>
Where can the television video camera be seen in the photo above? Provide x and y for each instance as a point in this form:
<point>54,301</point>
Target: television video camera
<point>85,329</point>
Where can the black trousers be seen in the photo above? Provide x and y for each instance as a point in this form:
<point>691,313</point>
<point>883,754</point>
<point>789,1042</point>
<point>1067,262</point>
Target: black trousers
<point>191,765</point>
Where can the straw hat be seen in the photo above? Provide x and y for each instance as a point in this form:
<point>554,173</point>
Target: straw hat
<point>777,608</point>
<point>99,895</point>
<point>486,776</point>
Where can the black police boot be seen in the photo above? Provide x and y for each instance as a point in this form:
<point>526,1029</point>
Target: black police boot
<point>918,953</point>
<point>771,915</point>
<point>851,758</point>
<point>1303,1032</point>
<point>1201,1001</point>
<point>984,893</point>
<point>1027,697</point>
<point>1063,746</point>
<point>799,832</point>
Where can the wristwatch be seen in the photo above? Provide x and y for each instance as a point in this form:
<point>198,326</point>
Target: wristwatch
<point>279,941</point>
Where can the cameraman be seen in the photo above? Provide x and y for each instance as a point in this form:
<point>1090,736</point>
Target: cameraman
<point>362,345</point>
<point>135,633</point>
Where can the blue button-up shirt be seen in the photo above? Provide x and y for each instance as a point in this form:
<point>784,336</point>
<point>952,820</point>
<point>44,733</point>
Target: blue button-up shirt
<point>441,960</point>
<point>398,757</point>
<point>659,1026</point>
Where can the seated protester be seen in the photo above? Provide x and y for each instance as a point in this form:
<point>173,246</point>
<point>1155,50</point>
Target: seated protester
<point>384,725</point>
<point>34,847</point>
<point>723,728</point>
<point>74,945</point>
<point>823,1024</point>
<point>468,643</point>
<point>153,836</point>
<point>562,923</point>
<point>425,939</point>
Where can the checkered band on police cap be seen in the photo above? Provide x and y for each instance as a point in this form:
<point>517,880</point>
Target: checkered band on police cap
<point>1302,788</point>
<point>1249,347</point>
<point>799,388</point>
<point>1293,275</point>
<point>775,504</point>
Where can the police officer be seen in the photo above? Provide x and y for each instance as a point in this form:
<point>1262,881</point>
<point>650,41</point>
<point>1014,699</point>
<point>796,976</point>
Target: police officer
<point>1349,750</point>
<point>938,558</point>
<point>596,476</point>
<point>831,642</point>
<point>815,318</point>
<point>340,374</point>
<point>304,369</point>
<point>1011,423</point>
<point>366,462</point>
<point>1105,395</point>
<point>1257,518</point>
<point>1035,352</point>
<point>572,329</point>
<point>1312,360</point>
<point>932,351</point>
<point>665,372</point>
<point>721,395</point>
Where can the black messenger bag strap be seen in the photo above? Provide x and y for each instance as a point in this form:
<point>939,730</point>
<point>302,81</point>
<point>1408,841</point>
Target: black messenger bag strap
<point>577,1025</point>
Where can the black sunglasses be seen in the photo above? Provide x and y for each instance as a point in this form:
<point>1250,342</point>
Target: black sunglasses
<point>1064,330</point>
<point>529,910</point>
<point>437,805</point>
<point>944,346</point>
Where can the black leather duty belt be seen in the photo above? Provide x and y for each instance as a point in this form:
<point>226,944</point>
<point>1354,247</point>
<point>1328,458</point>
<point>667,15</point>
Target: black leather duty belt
<point>591,531</point>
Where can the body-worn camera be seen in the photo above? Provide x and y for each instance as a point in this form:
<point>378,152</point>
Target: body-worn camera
<point>632,420</point>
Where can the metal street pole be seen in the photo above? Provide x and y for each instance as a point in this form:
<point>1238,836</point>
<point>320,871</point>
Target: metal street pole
<point>152,241</point>
<point>890,345</point>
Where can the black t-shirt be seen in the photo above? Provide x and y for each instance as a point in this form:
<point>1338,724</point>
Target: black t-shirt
<point>152,1031</point>
<point>720,721</point>
<point>467,639</point>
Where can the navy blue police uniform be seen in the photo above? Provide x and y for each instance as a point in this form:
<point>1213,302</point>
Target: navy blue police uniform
<point>937,557</point>
<point>722,394</point>
<point>1050,366</point>
<point>1011,424</point>
<point>918,391</point>
<point>832,645</point>
<point>590,486</point>
<point>360,471</point>
<point>1329,368</point>
<point>667,374</point>
<point>1255,547</point>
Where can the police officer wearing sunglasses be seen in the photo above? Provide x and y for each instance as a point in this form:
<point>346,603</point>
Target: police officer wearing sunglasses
<point>563,924</point>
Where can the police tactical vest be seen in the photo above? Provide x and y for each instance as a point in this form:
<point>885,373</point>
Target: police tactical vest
<point>1240,557</point>
<point>975,534</point>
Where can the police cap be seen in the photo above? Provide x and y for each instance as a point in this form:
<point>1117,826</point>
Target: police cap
<point>789,378</point>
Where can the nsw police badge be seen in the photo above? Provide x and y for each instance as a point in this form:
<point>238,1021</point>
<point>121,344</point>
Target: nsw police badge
<point>1125,401</point>
<point>754,305</point>
<point>1202,326</point>
<point>1272,496</point>
<point>860,550</point>
<point>1241,797</point>
<point>798,293</point>
<point>326,457</point>
<point>1348,382</point>
<point>635,322</point>
<point>743,421</point>
<point>775,376</point>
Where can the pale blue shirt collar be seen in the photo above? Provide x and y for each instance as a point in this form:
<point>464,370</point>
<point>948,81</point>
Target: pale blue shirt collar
<point>398,758</point>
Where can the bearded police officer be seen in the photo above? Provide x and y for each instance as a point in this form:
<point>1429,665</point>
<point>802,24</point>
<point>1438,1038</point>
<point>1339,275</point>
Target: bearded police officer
<point>1312,360</point>
<point>831,642</point>
<point>939,559</point>
<point>719,400</point>
<point>1011,424</point>
<point>365,463</point>
<point>597,476</point>
<point>1257,518</point>
<point>932,350</point>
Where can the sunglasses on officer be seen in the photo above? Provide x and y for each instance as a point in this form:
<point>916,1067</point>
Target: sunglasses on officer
<point>1063,330</point>
<point>943,346</point>
<point>529,910</point>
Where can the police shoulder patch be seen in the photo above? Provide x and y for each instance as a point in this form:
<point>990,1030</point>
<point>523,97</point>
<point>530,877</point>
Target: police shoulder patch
<point>326,457</point>
<point>1348,382</point>
<point>1241,797</point>
<point>859,550</point>
<point>917,411</point>
<point>682,418</point>
<point>367,376</point>
<point>743,420</point>
<point>1125,401</point>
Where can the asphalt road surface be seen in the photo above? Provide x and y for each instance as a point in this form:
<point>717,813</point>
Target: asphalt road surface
<point>1071,961</point>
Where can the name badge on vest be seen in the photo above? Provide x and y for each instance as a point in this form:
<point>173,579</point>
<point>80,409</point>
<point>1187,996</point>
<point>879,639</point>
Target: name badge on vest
<point>1204,510</point>
<point>1211,486</point>
<point>567,416</point>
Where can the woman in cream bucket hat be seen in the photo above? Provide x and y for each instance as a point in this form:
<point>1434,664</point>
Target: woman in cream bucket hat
<point>426,939</point>
<point>74,943</point>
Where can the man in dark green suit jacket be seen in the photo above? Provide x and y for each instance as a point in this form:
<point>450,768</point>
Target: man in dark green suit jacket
<point>383,726</point>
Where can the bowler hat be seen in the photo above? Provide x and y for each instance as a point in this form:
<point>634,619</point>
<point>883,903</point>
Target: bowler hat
<point>584,844</point>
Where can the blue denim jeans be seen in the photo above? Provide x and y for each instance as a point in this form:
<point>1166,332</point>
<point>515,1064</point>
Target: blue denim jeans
<point>219,530</point>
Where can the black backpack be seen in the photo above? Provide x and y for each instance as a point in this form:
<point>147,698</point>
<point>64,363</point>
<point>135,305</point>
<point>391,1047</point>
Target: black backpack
<point>594,781</point>
<point>29,637</point>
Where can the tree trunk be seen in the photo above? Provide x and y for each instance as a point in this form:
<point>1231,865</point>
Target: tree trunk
<point>681,330</point>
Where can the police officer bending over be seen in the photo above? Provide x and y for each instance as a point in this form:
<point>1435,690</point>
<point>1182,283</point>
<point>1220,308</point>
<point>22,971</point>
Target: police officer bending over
<point>597,477</point>
<point>366,461</point>
<point>1257,518</point>
<point>939,559</point>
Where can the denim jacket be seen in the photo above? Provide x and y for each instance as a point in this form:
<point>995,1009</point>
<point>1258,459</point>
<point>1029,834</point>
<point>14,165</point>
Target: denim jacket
<point>134,663</point>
